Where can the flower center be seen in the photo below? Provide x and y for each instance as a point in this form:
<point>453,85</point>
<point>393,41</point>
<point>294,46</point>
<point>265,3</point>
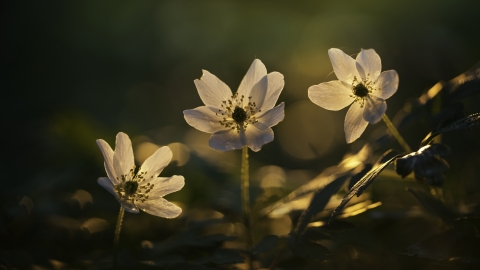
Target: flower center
<point>360,90</point>
<point>130,187</point>
<point>237,115</point>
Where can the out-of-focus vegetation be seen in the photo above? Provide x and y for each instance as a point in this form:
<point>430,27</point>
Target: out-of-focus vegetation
<point>76,71</point>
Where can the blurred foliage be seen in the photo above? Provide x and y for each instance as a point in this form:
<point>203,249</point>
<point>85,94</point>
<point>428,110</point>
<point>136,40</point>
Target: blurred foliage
<point>76,71</point>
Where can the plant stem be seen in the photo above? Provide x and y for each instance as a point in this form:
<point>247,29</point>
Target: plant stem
<point>246,199</point>
<point>395,134</point>
<point>116,238</point>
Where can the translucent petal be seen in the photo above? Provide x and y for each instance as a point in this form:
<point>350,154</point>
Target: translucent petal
<point>343,65</point>
<point>332,95</point>
<point>370,63</point>
<point>254,74</point>
<point>108,156</point>
<point>155,163</point>
<point>123,161</point>
<point>274,84</point>
<point>107,184</point>
<point>204,119</point>
<point>127,205</point>
<point>374,109</point>
<point>165,185</point>
<point>160,207</point>
<point>354,124</point>
<point>212,90</point>
<point>271,117</point>
<point>227,140</point>
<point>387,83</point>
<point>256,138</point>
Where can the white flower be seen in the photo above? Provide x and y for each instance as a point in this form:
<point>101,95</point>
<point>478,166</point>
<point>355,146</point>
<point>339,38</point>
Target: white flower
<point>145,189</point>
<point>241,119</point>
<point>360,82</point>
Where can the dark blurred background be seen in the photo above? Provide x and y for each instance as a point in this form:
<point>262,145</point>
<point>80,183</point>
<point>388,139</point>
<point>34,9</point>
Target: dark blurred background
<point>76,71</point>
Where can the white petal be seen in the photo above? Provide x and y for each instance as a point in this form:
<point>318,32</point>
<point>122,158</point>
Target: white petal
<point>370,63</point>
<point>374,109</point>
<point>166,185</point>
<point>258,93</point>
<point>155,163</point>
<point>108,156</point>
<point>254,74</point>
<point>227,140</point>
<point>106,183</point>
<point>275,85</point>
<point>160,207</point>
<point>127,205</point>
<point>204,119</point>
<point>256,138</point>
<point>271,117</point>
<point>343,65</point>
<point>387,83</point>
<point>354,123</point>
<point>123,161</point>
<point>212,90</point>
<point>332,95</point>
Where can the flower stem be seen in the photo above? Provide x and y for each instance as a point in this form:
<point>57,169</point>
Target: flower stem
<point>246,197</point>
<point>395,134</point>
<point>116,238</point>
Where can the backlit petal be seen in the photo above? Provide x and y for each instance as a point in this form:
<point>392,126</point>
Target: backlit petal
<point>370,63</point>
<point>204,119</point>
<point>271,117</point>
<point>154,164</point>
<point>160,207</point>
<point>227,140</point>
<point>332,95</point>
<point>254,74</point>
<point>256,138</point>
<point>212,90</point>
<point>354,123</point>
<point>108,156</point>
<point>123,161</point>
<point>343,65</point>
<point>107,184</point>
<point>274,84</point>
<point>127,205</point>
<point>387,83</point>
<point>165,185</point>
<point>374,109</point>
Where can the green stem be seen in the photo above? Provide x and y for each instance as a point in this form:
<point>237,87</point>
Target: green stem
<point>246,198</point>
<point>395,134</point>
<point>116,238</point>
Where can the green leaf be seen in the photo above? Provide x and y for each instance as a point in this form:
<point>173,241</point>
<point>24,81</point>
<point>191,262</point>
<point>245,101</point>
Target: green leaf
<point>466,84</point>
<point>266,244</point>
<point>361,185</point>
<point>470,121</point>
<point>318,203</point>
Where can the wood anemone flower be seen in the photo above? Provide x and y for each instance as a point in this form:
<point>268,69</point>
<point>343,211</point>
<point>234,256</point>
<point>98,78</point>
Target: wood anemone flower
<point>361,82</point>
<point>143,190</point>
<point>243,118</point>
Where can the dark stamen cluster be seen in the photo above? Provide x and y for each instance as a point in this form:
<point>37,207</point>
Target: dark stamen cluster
<point>239,115</point>
<point>361,89</point>
<point>235,115</point>
<point>131,189</point>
